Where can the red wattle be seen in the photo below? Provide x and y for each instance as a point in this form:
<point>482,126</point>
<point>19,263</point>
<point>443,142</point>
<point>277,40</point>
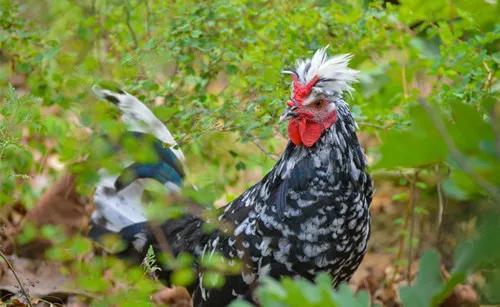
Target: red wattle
<point>293,132</point>
<point>304,131</point>
<point>310,133</point>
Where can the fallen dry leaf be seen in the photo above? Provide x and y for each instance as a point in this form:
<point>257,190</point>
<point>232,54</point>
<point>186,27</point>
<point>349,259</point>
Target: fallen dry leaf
<point>371,276</point>
<point>60,205</point>
<point>463,295</point>
<point>39,278</point>
<point>173,297</point>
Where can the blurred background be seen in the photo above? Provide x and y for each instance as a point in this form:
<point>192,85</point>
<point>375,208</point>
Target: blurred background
<point>427,106</point>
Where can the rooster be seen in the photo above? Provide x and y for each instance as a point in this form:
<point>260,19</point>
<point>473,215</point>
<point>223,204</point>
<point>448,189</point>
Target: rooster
<point>309,214</point>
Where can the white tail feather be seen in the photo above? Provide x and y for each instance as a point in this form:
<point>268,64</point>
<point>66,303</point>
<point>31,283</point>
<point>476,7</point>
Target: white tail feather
<point>139,118</point>
<point>118,209</point>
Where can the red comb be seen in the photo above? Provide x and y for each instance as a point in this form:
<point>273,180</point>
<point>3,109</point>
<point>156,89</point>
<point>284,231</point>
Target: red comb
<point>301,91</point>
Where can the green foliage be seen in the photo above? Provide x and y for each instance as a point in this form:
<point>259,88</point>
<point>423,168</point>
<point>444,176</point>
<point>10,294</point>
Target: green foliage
<point>428,91</point>
<point>415,151</point>
<point>462,139</point>
<point>428,283</point>
<point>301,292</point>
<point>481,252</point>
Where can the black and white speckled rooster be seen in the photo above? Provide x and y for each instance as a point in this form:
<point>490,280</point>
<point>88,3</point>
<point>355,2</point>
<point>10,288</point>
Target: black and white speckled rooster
<point>309,214</point>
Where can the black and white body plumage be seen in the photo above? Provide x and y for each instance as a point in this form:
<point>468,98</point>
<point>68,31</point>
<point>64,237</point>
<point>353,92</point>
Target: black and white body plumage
<point>309,214</point>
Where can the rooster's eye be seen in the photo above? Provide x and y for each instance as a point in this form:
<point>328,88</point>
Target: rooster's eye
<point>318,103</point>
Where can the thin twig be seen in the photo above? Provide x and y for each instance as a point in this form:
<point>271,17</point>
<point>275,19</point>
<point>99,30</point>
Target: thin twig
<point>412,225</point>
<point>126,8</point>
<point>23,290</point>
<point>456,154</point>
<point>495,122</point>
<point>392,174</point>
<point>401,243</point>
<point>489,77</point>
<point>403,71</point>
<point>439,188</point>
<point>376,126</point>
<point>267,153</point>
<point>148,18</point>
<point>160,237</point>
<point>254,140</point>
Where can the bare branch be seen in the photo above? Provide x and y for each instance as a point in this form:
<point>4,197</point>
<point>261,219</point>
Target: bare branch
<point>441,203</point>
<point>126,9</point>
<point>411,177</point>
<point>495,122</point>
<point>148,18</point>
<point>255,141</point>
<point>267,153</point>
<point>23,290</point>
<point>376,126</point>
<point>411,209</point>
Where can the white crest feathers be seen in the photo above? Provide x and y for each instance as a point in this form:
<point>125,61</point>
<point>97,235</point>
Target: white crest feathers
<point>333,72</point>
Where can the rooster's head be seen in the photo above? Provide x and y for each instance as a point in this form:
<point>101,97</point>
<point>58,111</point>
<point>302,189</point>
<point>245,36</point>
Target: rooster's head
<point>317,84</point>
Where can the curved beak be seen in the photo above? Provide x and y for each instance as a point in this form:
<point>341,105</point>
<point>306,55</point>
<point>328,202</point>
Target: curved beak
<point>288,113</point>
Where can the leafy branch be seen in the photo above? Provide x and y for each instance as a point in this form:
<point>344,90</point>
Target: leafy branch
<point>456,154</point>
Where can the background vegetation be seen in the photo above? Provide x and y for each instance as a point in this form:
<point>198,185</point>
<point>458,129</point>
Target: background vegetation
<point>427,106</point>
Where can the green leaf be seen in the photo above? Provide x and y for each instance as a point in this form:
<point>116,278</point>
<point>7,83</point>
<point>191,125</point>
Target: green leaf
<point>213,279</point>
<point>417,146</point>
<point>482,250</point>
<point>183,277</point>
<point>345,297</point>
<point>240,303</point>
<point>427,284</point>
<point>301,292</point>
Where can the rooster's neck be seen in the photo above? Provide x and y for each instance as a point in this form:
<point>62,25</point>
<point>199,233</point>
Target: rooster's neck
<point>338,149</point>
